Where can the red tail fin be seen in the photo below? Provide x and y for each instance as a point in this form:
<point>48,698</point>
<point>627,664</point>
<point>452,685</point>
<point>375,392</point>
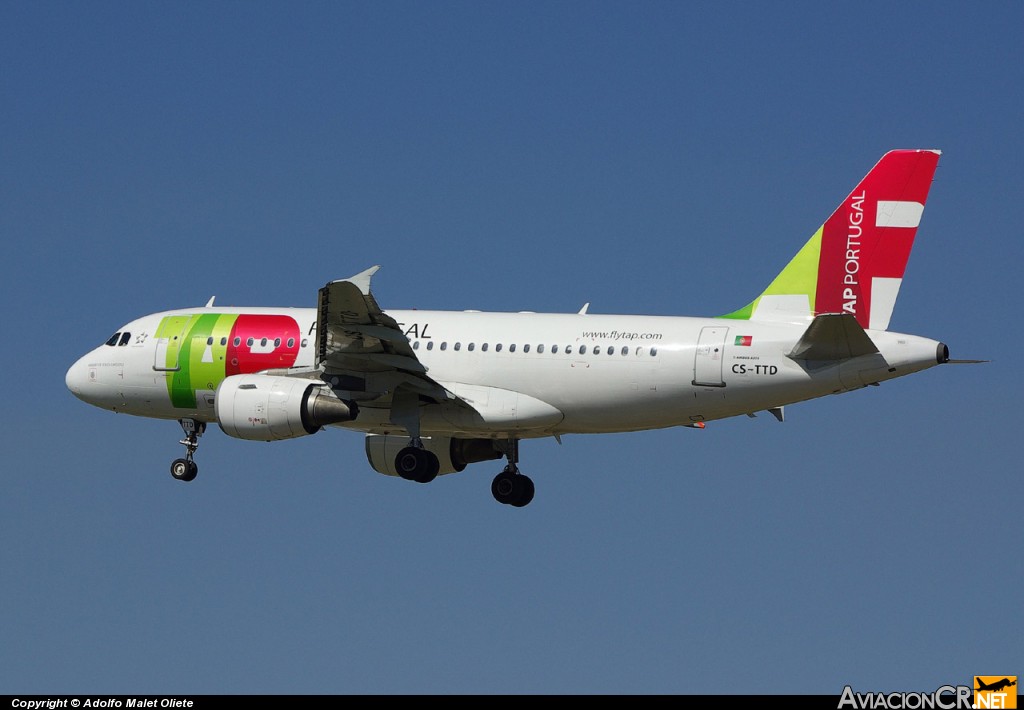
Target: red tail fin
<point>854,263</point>
<point>866,242</point>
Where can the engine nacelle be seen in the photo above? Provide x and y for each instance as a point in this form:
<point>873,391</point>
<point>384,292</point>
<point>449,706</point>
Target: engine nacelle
<point>268,408</point>
<point>452,454</point>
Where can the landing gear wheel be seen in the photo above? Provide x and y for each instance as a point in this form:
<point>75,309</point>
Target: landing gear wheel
<point>433,466</point>
<point>503,486</point>
<point>418,465</point>
<point>512,488</point>
<point>525,491</point>
<point>406,463</point>
<point>184,470</point>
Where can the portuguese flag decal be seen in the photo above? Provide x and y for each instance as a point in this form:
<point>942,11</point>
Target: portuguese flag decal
<point>745,340</point>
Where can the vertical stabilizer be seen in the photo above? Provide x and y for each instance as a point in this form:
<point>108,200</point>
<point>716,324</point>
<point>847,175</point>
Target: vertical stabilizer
<point>855,262</point>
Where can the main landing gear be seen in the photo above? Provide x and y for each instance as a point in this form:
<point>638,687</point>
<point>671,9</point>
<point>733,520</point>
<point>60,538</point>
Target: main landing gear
<point>185,469</point>
<point>511,487</point>
<point>415,463</point>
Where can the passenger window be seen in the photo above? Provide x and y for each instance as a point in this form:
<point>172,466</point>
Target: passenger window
<point>263,342</point>
<point>237,341</point>
<point>277,342</point>
<point>497,348</point>
<point>526,348</point>
<point>654,351</point>
<point>554,349</point>
<point>125,337</point>
<point>611,349</point>
<point>471,347</point>
<point>625,350</point>
<point>583,350</point>
<point>291,343</point>
<point>568,350</point>
<point>597,350</point>
<point>249,342</point>
<point>430,345</point>
<point>224,341</point>
<point>416,345</point>
<point>483,348</point>
<point>512,348</point>
<point>458,346</point>
<point>305,342</point>
<point>540,348</point>
<point>113,339</point>
<point>444,345</point>
<point>209,341</point>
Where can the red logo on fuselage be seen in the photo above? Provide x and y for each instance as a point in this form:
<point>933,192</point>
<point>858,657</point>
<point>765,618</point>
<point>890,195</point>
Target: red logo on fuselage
<point>262,342</point>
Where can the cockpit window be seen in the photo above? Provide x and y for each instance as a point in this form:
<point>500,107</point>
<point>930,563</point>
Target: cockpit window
<point>113,339</point>
<point>125,337</point>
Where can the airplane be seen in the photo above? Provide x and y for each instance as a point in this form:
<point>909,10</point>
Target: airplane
<point>997,685</point>
<point>434,391</point>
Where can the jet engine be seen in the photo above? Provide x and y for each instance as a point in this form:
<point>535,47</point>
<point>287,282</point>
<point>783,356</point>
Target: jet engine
<point>452,454</point>
<point>268,408</point>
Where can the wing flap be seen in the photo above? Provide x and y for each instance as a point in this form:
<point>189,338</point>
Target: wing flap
<point>370,362</point>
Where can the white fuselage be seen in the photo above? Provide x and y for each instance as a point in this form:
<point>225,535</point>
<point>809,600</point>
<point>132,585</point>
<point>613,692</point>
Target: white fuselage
<point>538,374</point>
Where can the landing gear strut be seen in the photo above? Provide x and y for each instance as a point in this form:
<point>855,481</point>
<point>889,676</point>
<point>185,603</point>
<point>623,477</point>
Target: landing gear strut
<point>415,463</point>
<point>511,487</point>
<point>185,469</point>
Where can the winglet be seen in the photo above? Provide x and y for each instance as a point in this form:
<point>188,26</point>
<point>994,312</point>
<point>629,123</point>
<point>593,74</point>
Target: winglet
<point>362,279</point>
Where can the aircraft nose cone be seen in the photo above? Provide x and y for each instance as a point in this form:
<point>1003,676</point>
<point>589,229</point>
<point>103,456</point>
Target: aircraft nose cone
<point>76,377</point>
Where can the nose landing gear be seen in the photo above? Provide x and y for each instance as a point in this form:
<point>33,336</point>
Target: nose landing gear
<point>186,469</point>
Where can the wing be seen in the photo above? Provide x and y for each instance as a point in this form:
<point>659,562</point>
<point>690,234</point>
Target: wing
<point>361,349</point>
<point>355,335</point>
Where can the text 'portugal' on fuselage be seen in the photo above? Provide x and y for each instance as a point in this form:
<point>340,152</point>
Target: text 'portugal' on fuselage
<point>436,390</point>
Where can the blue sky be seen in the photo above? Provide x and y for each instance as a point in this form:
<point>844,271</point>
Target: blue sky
<point>660,158</point>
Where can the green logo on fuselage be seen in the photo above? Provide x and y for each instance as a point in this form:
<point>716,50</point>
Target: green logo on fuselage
<point>196,352</point>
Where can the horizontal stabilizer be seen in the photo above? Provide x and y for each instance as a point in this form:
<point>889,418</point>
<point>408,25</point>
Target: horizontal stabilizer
<point>833,336</point>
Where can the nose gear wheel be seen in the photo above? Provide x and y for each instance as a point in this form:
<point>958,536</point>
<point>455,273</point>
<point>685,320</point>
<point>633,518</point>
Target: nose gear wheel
<point>186,469</point>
